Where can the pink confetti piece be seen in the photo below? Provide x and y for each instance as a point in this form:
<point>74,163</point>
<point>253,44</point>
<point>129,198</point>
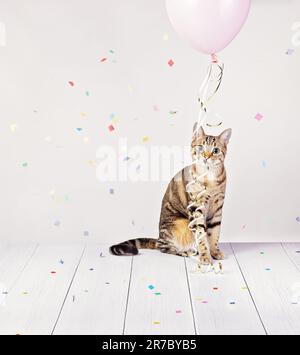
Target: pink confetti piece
<point>103,60</point>
<point>71,83</point>
<point>171,63</point>
<point>111,128</point>
<point>259,117</point>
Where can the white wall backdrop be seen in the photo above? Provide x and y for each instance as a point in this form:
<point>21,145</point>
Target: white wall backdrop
<point>51,131</point>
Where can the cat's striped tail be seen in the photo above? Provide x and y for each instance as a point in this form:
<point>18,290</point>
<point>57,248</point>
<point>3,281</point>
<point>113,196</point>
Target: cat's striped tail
<point>131,247</point>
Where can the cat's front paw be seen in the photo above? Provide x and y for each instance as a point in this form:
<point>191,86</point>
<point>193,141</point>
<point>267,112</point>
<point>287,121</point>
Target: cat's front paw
<point>218,255</point>
<point>205,259</point>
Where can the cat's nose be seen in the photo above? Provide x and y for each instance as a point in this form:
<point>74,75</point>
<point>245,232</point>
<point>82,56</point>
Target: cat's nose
<point>207,155</point>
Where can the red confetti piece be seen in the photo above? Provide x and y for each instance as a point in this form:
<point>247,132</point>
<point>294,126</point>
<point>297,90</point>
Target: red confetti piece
<point>53,272</point>
<point>111,128</point>
<point>71,83</point>
<point>103,60</point>
<point>171,63</point>
<point>215,289</point>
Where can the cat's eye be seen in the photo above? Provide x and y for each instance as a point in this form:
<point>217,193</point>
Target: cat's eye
<point>216,151</point>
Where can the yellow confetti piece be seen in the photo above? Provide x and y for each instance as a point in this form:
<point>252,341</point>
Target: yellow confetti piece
<point>156,323</point>
<point>92,163</point>
<point>146,139</point>
<point>83,115</point>
<point>13,127</point>
<point>165,37</point>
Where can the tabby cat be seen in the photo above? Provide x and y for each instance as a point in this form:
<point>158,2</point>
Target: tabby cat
<point>175,235</point>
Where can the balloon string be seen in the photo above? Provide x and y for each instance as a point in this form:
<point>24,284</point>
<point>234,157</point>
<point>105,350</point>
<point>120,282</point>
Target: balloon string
<point>211,83</point>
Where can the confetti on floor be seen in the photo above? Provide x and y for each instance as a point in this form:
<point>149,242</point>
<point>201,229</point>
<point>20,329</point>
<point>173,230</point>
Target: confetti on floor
<point>173,113</point>
<point>179,312</point>
<point>111,191</point>
<point>86,233</point>
<point>151,287</point>
<point>204,302</point>
<point>171,63</point>
<point>79,129</point>
<point>61,262</point>
<point>268,269</point>
<point>298,219</point>
<point>156,323</point>
<point>259,117</point>
<point>298,252</point>
<point>24,165</point>
<point>215,289</point>
<point>91,269</point>
<point>87,93</point>
<point>232,303</point>
<point>71,83</point>
<point>244,226</point>
<point>103,60</point>
<point>53,272</point>
<point>157,294</point>
<point>262,253</point>
<point>146,139</point>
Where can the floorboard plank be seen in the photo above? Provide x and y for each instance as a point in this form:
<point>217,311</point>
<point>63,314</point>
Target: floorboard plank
<point>159,300</point>
<point>34,303</point>
<point>272,279</point>
<point>13,260</point>
<point>293,252</point>
<point>97,300</point>
<point>221,302</point>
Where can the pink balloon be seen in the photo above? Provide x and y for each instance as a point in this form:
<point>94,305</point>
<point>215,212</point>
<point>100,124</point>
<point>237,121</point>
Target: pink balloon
<point>208,25</point>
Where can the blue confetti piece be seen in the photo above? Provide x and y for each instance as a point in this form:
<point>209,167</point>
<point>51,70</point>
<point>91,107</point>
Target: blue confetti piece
<point>151,287</point>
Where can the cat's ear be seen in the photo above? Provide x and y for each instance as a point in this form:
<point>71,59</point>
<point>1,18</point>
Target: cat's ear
<point>198,132</point>
<point>225,136</point>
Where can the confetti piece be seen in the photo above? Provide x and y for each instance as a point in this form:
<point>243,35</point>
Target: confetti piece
<point>25,293</point>
<point>232,303</point>
<point>298,252</point>
<point>83,115</point>
<point>151,287</point>
<point>111,128</point>
<point>262,253</point>
<point>53,272</point>
<point>215,289</point>
<point>173,113</point>
<point>61,262</point>
<point>165,37</point>
<point>179,312</point>
<point>155,108</point>
<point>87,93</point>
<point>146,139</point>
<point>107,283</point>
<point>24,165</point>
<point>259,117</point>
<point>111,191</point>
<point>79,130</point>
<point>126,159</point>
<point>204,302</point>
<point>71,83</point>
<point>157,294</point>
<point>13,128</point>
<point>103,60</point>
<point>73,298</point>
<point>171,63</point>
<point>91,269</point>
<point>57,223</point>
<point>156,323</point>
<point>268,269</point>
<point>290,51</point>
<point>86,233</point>
<point>298,219</point>
<point>48,139</point>
<point>244,226</point>
<point>111,51</point>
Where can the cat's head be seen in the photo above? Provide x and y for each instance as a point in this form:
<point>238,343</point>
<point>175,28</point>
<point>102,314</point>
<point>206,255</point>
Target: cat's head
<point>210,150</point>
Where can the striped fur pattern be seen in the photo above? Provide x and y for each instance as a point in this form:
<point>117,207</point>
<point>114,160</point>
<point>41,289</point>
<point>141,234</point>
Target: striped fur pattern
<point>175,236</point>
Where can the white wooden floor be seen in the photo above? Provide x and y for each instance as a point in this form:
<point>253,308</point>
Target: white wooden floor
<point>69,289</point>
